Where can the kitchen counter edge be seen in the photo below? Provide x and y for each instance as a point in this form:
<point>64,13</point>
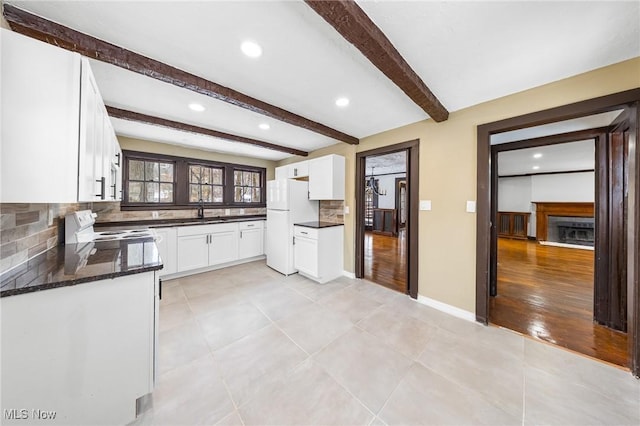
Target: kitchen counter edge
<point>168,223</point>
<point>318,224</point>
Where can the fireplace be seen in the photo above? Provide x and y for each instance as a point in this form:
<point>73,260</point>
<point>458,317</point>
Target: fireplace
<point>571,230</point>
<point>579,224</point>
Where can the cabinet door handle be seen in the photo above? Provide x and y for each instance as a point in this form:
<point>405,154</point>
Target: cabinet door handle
<point>295,171</point>
<point>240,234</point>
<point>118,156</point>
<point>114,190</point>
<point>294,241</point>
<point>103,182</point>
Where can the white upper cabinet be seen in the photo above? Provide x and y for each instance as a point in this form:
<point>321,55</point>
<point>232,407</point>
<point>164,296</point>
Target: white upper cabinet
<point>293,171</point>
<point>55,128</point>
<point>98,173</point>
<point>40,101</point>
<point>326,178</point>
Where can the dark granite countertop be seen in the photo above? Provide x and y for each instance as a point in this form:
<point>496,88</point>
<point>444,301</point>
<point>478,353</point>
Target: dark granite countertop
<point>72,264</point>
<point>318,224</point>
<point>166,223</point>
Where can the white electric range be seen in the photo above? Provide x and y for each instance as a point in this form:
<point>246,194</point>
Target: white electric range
<point>79,229</point>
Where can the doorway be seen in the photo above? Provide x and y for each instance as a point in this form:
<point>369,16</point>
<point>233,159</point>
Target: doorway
<point>387,217</point>
<point>627,261</point>
<point>546,240</point>
<point>385,252</point>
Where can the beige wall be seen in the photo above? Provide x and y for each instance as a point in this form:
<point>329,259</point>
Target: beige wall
<point>181,151</point>
<point>447,234</point>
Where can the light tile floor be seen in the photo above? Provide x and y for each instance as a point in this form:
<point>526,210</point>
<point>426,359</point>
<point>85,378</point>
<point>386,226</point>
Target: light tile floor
<point>245,345</point>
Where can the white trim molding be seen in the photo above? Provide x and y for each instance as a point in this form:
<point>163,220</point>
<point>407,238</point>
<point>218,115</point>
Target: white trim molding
<point>447,309</point>
<point>349,275</point>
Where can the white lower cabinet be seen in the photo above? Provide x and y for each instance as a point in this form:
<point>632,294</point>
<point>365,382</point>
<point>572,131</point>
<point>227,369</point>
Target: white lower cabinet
<point>87,354</point>
<point>223,245</point>
<point>193,248</point>
<point>251,243</point>
<point>318,252</point>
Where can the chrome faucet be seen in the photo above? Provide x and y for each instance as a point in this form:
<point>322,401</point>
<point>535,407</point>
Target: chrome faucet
<point>200,209</point>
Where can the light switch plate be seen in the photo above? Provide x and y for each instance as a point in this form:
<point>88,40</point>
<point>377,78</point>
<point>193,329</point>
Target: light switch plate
<point>346,209</point>
<point>425,204</point>
<point>471,206</point>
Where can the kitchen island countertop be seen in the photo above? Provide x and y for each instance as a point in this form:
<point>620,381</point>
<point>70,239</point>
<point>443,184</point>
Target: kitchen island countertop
<point>73,264</point>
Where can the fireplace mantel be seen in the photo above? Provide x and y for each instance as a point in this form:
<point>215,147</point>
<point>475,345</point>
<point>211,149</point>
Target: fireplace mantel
<point>545,209</point>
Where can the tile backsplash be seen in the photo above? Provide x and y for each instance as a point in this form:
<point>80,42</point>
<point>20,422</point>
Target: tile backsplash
<point>332,211</point>
<point>29,229</point>
<point>110,212</point>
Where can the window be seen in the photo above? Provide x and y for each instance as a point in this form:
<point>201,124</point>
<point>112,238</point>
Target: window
<point>150,182</point>
<point>155,181</point>
<point>247,186</point>
<point>206,184</point>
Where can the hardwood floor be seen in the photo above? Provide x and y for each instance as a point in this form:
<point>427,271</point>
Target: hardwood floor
<point>547,292</point>
<point>385,260</point>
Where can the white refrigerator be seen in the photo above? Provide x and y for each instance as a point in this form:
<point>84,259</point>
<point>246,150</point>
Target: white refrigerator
<point>287,203</point>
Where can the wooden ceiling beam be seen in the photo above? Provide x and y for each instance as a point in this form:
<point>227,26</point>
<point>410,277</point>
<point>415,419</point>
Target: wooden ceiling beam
<point>157,121</point>
<point>358,29</point>
<point>91,47</point>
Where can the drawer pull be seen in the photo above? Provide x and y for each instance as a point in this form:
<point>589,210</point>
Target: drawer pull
<point>302,232</point>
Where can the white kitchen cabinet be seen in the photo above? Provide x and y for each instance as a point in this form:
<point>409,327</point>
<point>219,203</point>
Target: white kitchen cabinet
<point>98,175</point>
<point>318,252</point>
<point>193,252</point>
<point>223,245</point>
<point>251,243</point>
<point>326,178</point>
<point>201,246</point>
<point>293,171</point>
<point>39,111</point>
<point>88,354</point>
<point>167,243</point>
<point>55,129</point>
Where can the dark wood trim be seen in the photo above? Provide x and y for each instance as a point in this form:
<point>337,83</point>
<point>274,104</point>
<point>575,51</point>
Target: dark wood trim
<point>550,140</point>
<point>485,172</point>
<point>181,184</point>
<point>413,180</point>
<point>158,121</point>
<point>546,209</point>
<point>398,184</point>
<point>358,29</point>
<point>50,32</point>
<point>633,247</point>
<point>567,172</point>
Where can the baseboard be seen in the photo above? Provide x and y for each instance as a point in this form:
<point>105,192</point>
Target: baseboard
<point>349,275</point>
<point>447,309</point>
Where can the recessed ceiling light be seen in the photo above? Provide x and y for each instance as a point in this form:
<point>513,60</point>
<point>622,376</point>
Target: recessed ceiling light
<point>536,167</point>
<point>251,49</point>
<point>537,155</point>
<point>264,126</point>
<point>342,102</point>
<point>196,107</point>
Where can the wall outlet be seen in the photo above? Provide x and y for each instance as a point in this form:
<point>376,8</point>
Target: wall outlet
<point>227,212</point>
<point>471,206</point>
<point>241,211</point>
<point>346,209</point>
<point>425,204</point>
<point>154,215</point>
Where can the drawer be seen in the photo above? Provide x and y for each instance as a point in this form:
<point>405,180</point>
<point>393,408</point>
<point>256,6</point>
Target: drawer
<point>206,229</point>
<point>253,224</point>
<point>303,231</point>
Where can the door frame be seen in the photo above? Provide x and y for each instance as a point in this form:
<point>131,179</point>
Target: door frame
<point>398,186</point>
<point>413,178</point>
<point>485,170</point>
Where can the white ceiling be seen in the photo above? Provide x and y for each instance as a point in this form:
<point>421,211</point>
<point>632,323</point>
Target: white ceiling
<point>466,52</point>
<point>570,156</point>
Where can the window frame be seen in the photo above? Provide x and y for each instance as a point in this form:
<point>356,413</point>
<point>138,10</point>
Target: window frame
<point>181,182</point>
